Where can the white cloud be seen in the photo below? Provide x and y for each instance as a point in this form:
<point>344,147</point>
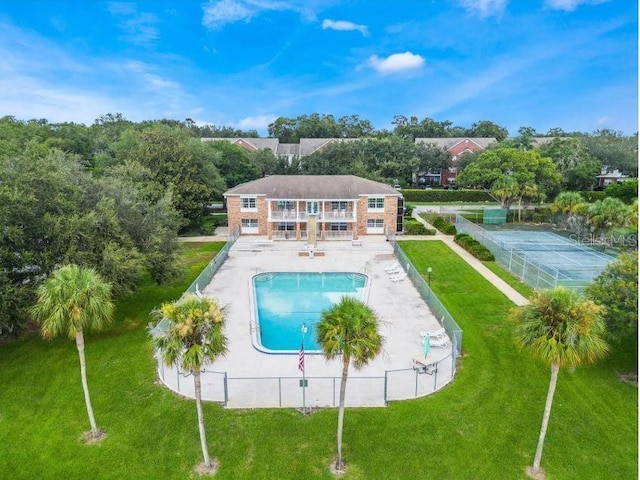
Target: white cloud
<point>218,13</point>
<point>484,8</point>
<point>259,122</point>
<point>398,62</point>
<point>138,27</point>
<point>570,5</point>
<point>343,25</point>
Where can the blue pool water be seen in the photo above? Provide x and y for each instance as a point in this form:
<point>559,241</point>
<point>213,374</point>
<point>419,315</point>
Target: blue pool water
<point>284,301</point>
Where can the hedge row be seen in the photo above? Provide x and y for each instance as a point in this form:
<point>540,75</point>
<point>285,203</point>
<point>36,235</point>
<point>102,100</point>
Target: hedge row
<point>444,226</point>
<point>474,247</point>
<point>414,227</point>
<point>446,196</point>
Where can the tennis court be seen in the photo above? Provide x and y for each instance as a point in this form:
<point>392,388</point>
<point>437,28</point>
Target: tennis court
<point>542,259</point>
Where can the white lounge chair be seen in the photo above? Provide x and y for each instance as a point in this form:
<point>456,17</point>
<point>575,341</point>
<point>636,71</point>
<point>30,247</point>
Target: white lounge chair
<point>399,277</point>
<point>442,341</point>
<point>392,267</point>
<point>434,333</point>
<point>395,271</point>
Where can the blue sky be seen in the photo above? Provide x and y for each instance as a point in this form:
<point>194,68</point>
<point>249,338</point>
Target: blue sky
<point>541,63</point>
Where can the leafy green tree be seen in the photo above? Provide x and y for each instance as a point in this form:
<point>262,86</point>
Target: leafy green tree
<point>578,167</point>
<point>488,129</point>
<point>626,191</point>
<point>431,158</point>
<point>174,166</point>
<point>348,329</point>
<point>603,215</point>
<point>235,164</point>
<point>192,336</point>
<point>562,329</point>
<point>613,150</point>
<point>412,128</point>
<point>526,167</point>
<point>71,301</point>
<point>616,288</point>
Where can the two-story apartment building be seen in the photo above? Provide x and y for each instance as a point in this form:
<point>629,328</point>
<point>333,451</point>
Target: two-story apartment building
<point>320,207</point>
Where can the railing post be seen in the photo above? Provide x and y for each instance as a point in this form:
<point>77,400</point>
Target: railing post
<point>385,387</point>
<point>226,389</point>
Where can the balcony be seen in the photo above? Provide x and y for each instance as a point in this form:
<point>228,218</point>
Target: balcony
<point>301,216</point>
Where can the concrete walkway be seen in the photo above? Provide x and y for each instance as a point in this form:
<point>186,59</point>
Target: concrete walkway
<point>476,264</point>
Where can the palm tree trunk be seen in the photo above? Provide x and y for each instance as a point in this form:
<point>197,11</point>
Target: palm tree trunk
<point>519,209</point>
<point>85,385</point>
<point>545,418</point>
<point>203,436</point>
<point>343,391</point>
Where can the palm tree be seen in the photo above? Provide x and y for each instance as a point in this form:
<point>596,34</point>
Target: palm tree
<point>74,299</point>
<point>506,190</point>
<point>192,337</point>
<point>350,329</point>
<point>563,329</point>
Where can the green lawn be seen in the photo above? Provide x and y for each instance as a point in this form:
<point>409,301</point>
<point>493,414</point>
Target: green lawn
<point>522,288</point>
<point>483,425</point>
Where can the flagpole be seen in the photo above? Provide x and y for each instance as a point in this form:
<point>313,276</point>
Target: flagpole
<point>304,381</point>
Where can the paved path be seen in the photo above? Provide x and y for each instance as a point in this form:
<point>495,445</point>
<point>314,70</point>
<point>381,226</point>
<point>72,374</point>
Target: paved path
<point>477,265</point>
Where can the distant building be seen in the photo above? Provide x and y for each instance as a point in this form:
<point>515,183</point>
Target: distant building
<point>607,178</point>
<point>307,146</point>
<point>324,207</point>
<point>456,148</point>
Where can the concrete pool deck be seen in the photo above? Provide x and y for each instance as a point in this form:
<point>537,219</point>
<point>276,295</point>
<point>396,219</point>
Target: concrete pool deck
<point>255,379</point>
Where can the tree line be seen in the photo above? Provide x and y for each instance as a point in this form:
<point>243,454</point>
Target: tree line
<point>113,195</point>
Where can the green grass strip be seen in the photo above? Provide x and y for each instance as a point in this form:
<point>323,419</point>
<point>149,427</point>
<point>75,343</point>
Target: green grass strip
<point>483,425</point>
<point>520,287</point>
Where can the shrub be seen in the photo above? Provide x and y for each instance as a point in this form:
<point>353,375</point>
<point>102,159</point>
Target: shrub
<point>444,226</point>
<point>414,227</point>
<point>626,191</point>
<point>593,196</point>
<point>446,196</point>
<point>209,223</point>
<point>408,210</point>
<point>474,247</point>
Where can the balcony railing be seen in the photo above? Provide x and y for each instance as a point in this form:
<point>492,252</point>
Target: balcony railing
<point>338,235</point>
<point>294,216</point>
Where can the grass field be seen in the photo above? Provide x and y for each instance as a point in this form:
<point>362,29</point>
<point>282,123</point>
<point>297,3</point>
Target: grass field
<point>520,287</point>
<point>483,425</point>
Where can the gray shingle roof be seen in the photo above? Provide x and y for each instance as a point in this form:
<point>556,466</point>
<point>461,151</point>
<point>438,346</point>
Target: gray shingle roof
<point>310,145</point>
<point>289,149</point>
<point>447,143</point>
<point>321,187</point>
<point>257,143</point>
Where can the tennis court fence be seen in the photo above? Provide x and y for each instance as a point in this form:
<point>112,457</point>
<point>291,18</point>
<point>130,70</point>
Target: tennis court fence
<point>528,267</point>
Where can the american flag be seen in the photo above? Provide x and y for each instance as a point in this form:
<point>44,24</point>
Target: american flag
<point>301,358</point>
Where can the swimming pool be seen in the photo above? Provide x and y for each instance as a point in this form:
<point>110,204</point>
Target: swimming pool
<point>286,300</point>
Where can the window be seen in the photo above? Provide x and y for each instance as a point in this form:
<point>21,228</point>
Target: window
<point>249,225</point>
<point>375,203</point>
<point>338,205</point>
<point>338,227</point>
<point>375,226</point>
<point>285,205</point>
<point>287,227</point>
<point>250,222</point>
<point>248,203</point>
